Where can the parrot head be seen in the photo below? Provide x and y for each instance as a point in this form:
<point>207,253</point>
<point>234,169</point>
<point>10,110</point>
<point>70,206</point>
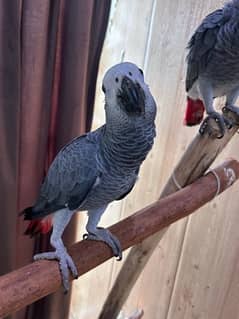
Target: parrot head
<point>194,112</point>
<point>127,97</point>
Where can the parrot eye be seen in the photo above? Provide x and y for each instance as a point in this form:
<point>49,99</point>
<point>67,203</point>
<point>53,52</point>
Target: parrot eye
<point>141,71</point>
<point>116,80</point>
<point>130,73</point>
<point>103,88</point>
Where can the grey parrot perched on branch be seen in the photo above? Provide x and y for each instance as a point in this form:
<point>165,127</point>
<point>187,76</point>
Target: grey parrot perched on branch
<point>213,67</point>
<point>97,168</point>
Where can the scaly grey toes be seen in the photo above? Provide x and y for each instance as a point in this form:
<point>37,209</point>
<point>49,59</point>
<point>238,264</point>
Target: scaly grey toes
<point>102,234</point>
<point>221,122</point>
<point>234,109</point>
<point>65,263</point>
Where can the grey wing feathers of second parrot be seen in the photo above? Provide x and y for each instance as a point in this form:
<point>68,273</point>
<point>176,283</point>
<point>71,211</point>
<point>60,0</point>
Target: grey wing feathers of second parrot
<point>70,177</point>
<point>201,44</point>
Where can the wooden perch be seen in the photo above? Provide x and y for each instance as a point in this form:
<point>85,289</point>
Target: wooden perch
<point>34,281</point>
<point>196,160</point>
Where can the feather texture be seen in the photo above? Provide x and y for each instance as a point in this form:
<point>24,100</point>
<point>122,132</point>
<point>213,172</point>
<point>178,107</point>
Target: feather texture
<point>214,50</point>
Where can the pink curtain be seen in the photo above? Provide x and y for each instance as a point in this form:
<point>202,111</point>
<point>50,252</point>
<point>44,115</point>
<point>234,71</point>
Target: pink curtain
<point>48,65</point>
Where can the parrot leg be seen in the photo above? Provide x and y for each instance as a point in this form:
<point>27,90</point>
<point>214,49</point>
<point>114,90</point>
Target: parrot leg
<point>230,102</point>
<point>101,234</point>
<point>60,220</point>
<point>207,96</point>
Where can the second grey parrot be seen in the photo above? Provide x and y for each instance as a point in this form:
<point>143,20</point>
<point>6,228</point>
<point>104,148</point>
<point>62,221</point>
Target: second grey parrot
<point>97,168</point>
<point>213,67</point>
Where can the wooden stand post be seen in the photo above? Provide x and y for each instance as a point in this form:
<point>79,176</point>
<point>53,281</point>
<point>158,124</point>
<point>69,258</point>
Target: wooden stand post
<point>194,163</point>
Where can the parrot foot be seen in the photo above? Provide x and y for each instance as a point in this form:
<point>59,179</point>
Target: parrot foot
<point>221,122</point>
<point>235,110</point>
<point>102,234</point>
<point>231,108</point>
<point>65,263</point>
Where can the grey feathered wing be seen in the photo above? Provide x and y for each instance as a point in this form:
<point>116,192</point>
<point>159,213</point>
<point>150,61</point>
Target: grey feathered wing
<point>70,177</point>
<point>201,44</point>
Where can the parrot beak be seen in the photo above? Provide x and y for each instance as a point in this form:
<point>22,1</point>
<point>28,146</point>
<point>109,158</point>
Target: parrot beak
<point>131,97</point>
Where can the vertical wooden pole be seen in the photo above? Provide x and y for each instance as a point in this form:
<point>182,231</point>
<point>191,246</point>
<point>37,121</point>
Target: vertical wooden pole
<point>196,160</point>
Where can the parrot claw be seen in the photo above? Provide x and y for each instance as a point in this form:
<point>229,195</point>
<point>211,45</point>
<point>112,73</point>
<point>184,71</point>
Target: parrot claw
<point>235,110</point>
<point>65,263</point>
<point>102,234</point>
<point>231,108</point>
<point>221,122</point>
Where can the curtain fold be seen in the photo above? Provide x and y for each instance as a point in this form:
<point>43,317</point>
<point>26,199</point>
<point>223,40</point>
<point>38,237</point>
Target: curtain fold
<point>9,129</point>
<point>49,59</point>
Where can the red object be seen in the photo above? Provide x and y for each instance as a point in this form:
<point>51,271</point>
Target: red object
<point>194,112</point>
<point>41,225</point>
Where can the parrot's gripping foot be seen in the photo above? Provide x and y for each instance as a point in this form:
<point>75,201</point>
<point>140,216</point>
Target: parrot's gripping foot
<point>65,263</point>
<point>221,123</point>
<point>231,108</point>
<point>233,117</point>
<point>102,234</point>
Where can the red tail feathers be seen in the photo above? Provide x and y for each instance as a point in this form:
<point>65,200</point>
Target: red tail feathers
<point>194,112</point>
<point>40,225</point>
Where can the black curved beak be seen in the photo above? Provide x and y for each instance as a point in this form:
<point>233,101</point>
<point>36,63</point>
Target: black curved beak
<point>131,97</point>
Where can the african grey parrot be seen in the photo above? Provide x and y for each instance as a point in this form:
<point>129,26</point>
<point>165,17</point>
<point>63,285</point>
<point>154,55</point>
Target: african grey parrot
<point>97,168</point>
<point>213,67</point>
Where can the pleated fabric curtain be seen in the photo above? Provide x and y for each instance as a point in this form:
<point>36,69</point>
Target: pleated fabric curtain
<point>49,56</point>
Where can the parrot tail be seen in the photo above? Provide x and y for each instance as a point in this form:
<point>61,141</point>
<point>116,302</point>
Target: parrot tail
<point>37,225</point>
<point>194,112</point>
<point>40,225</point>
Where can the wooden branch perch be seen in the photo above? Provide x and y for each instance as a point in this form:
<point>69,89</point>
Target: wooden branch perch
<point>198,157</point>
<point>32,282</point>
